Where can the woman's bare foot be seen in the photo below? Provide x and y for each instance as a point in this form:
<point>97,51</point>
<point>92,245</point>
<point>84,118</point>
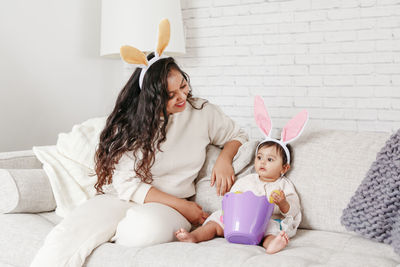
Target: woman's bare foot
<point>185,236</point>
<point>278,243</point>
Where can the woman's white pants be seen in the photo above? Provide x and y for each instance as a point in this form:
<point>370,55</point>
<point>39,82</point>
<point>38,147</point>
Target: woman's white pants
<point>98,220</point>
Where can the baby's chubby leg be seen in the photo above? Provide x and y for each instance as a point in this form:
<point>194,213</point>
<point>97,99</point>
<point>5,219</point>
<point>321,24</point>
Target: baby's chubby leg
<point>273,244</point>
<point>203,233</point>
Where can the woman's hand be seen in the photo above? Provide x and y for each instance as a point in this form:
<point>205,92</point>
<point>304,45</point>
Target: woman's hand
<point>189,209</point>
<point>193,212</point>
<point>223,176</point>
<point>280,200</point>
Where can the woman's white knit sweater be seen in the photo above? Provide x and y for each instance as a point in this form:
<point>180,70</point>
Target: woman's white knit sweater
<point>182,154</point>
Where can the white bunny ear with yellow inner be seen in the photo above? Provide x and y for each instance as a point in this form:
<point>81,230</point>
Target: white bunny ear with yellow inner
<point>164,34</point>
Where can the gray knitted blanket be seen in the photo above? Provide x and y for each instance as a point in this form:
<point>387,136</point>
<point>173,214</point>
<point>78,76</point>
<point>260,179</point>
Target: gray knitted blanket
<point>374,210</point>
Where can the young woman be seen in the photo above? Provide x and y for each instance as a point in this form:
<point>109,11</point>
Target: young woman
<point>151,150</point>
<point>154,142</point>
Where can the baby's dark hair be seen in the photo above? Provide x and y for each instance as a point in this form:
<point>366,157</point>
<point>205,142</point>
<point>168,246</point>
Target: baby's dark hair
<point>279,149</point>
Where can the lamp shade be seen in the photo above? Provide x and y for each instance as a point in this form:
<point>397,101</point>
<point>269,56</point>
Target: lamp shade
<point>135,23</point>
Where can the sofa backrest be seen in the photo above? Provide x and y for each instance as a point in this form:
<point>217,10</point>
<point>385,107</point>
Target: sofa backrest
<point>328,167</point>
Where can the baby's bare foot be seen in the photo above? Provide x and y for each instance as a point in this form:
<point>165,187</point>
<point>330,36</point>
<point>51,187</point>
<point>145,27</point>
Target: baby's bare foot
<point>278,243</point>
<point>185,236</point>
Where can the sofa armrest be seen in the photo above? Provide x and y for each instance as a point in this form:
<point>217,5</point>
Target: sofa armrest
<point>25,190</point>
<point>19,160</point>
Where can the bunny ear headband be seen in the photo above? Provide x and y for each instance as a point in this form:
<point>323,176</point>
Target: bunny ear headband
<point>290,132</point>
<point>133,55</point>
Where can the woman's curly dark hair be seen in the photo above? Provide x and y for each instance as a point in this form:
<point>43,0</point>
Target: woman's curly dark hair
<point>136,123</point>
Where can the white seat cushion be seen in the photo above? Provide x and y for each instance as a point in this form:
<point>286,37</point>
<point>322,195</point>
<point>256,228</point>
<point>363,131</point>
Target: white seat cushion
<point>307,248</point>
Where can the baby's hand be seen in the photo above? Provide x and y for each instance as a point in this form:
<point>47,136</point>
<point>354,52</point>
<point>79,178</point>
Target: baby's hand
<point>278,197</point>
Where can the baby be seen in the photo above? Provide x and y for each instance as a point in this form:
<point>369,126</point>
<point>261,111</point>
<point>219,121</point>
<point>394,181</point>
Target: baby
<point>272,161</point>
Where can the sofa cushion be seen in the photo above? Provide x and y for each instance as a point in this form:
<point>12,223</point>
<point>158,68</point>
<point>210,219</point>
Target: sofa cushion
<point>308,248</point>
<point>25,190</point>
<point>23,234</point>
<point>328,167</point>
<point>21,237</point>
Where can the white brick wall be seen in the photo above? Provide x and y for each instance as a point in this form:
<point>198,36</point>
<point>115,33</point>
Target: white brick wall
<point>340,59</point>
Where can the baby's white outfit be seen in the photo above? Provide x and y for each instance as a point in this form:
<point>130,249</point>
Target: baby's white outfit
<point>289,221</point>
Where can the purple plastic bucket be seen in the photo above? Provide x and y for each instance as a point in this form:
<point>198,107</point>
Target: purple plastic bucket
<point>245,217</point>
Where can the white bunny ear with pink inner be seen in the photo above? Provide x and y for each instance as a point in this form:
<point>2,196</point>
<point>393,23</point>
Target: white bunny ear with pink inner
<point>261,116</point>
<point>294,128</point>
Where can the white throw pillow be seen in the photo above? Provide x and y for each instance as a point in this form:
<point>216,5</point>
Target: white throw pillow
<point>149,224</point>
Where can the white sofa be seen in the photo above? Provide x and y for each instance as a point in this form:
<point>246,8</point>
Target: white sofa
<point>327,169</point>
